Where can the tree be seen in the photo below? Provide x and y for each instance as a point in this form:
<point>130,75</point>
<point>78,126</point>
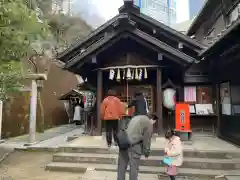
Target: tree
<point>19,27</point>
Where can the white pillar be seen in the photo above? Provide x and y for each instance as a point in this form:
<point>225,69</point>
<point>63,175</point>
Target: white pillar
<point>1,108</point>
<point>33,113</point>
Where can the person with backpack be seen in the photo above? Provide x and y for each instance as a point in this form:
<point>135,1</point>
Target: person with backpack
<point>134,142</point>
<point>112,110</point>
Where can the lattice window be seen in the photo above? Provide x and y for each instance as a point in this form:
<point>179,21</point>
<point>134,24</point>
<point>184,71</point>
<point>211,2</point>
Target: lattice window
<point>147,91</point>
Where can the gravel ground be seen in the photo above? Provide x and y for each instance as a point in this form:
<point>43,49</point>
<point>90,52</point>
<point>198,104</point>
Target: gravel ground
<point>31,166</point>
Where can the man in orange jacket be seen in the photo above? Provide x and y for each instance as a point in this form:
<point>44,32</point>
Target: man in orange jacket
<point>111,111</point>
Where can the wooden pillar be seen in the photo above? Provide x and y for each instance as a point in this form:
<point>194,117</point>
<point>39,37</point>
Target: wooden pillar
<point>99,101</point>
<point>159,101</point>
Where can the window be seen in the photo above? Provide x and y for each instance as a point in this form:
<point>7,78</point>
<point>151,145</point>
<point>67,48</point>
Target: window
<point>204,95</point>
<point>198,95</point>
<point>225,98</point>
<point>201,98</point>
<point>235,98</point>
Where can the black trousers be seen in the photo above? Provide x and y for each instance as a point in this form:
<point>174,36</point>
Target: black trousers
<point>172,177</point>
<point>111,130</point>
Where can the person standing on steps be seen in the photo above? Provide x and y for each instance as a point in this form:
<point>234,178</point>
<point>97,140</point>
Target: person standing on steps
<point>112,110</point>
<point>140,104</point>
<point>134,142</point>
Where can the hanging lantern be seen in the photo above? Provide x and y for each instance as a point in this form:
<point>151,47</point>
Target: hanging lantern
<point>136,73</point>
<point>111,74</point>
<point>169,98</point>
<point>118,75</point>
<point>145,73</point>
<point>140,74</point>
<point>85,80</point>
<point>129,76</point>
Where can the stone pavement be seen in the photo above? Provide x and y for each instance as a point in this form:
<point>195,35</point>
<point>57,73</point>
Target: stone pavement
<point>232,177</point>
<point>49,139</point>
<point>47,134</point>
<point>200,143</point>
<point>4,152</point>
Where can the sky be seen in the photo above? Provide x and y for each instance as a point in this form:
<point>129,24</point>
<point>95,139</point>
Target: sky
<point>109,8</point>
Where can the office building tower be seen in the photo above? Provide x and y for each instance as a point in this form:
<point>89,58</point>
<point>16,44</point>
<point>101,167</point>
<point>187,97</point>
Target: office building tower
<point>194,7</point>
<point>161,10</point>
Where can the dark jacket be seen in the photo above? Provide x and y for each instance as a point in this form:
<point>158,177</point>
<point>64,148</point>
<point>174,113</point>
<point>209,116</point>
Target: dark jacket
<point>140,105</point>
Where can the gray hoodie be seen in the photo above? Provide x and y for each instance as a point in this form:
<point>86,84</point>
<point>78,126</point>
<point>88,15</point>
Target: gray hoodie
<point>139,129</point>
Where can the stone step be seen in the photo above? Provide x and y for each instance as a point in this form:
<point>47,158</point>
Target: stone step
<point>153,161</point>
<point>82,167</point>
<point>156,152</point>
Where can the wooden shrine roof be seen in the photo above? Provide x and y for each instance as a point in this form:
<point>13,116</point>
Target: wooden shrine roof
<point>227,39</point>
<point>132,12</point>
<point>201,17</point>
<point>132,24</point>
<point>70,94</point>
<point>137,35</point>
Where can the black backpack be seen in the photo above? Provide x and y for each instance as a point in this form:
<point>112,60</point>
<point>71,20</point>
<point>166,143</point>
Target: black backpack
<point>123,140</point>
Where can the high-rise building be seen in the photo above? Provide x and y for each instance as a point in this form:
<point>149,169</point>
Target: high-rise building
<point>161,10</point>
<point>194,7</point>
<point>63,6</point>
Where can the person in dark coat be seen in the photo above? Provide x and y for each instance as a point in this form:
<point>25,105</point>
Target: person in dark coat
<point>140,104</point>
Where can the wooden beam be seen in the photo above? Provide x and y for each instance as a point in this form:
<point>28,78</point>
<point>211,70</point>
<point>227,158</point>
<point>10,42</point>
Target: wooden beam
<point>99,101</point>
<point>162,45</point>
<point>36,76</point>
<point>159,100</point>
<point>166,31</point>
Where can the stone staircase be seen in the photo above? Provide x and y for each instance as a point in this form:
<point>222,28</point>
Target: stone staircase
<point>196,163</point>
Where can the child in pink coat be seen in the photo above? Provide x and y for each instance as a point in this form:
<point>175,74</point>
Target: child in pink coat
<point>174,151</point>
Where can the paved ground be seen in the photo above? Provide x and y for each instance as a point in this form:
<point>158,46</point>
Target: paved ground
<point>50,138</point>
<point>4,152</point>
<point>30,166</point>
<point>50,133</point>
<point>199,143</point>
